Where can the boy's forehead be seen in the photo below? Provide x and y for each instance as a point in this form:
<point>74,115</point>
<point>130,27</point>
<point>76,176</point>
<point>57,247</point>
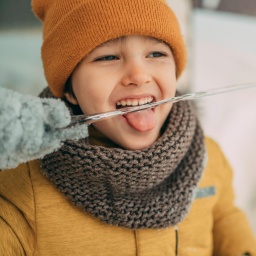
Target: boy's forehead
<point>123,39</point>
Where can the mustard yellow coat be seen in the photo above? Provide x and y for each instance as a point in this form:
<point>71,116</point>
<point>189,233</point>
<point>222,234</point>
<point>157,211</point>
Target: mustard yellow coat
<point>35,219</point>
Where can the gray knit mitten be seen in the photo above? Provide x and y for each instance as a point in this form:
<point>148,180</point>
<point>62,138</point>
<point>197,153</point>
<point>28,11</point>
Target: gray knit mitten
<point>31,127</point>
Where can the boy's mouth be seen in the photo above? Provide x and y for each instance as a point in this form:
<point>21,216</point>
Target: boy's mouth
<point>143,120</point>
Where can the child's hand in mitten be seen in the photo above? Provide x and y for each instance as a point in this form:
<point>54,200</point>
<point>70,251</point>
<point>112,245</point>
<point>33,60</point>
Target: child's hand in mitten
<point>31,127</point>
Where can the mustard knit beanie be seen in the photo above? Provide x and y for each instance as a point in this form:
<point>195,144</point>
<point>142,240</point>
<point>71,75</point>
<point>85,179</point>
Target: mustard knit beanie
<point>73,28</point>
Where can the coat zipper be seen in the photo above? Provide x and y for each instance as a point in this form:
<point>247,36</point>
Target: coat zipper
<point>176,240</point>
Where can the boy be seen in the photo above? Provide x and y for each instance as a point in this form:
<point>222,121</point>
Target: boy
<point>147,183</point>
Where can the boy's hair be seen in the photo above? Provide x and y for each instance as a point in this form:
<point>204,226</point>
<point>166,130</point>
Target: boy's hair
<point>75,109</point>
<point>71,29</point>
<point>68,88</point>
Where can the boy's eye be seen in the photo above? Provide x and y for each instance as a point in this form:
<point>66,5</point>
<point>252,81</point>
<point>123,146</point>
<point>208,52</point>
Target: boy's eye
<point>156,54</point>
<point>107,58</point>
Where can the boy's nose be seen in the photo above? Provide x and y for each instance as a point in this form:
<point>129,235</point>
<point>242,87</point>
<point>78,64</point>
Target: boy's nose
<point>136,74</point>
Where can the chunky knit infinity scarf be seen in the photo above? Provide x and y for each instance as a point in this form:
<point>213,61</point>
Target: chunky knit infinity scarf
<point>149,188</point>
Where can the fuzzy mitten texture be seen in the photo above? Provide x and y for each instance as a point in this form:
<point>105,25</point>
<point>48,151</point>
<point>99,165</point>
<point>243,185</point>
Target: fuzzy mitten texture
<point>31,127</point>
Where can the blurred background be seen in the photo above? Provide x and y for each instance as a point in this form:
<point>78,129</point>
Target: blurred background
<point>221,40</point>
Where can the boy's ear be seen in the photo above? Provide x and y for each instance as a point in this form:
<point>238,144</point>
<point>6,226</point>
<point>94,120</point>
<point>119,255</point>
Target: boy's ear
<point>70,98</point>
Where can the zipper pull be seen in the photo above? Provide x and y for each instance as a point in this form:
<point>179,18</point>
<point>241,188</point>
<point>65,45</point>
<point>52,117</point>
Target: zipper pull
<point>177,240</point>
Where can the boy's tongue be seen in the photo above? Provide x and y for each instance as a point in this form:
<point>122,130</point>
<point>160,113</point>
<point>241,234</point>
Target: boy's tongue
<point>142,121</point>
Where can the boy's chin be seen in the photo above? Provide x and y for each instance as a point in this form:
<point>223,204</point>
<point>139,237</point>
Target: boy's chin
<point>138,142</point>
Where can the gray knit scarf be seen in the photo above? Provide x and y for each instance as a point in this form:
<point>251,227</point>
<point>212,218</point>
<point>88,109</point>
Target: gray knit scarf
<point>149,188</point>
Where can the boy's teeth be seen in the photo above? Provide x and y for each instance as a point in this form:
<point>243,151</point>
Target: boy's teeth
<point>134,102</point>
<point>141,102</point>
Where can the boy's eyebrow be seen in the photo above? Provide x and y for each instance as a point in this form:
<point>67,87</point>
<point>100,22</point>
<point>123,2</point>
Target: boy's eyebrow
<point>158,41</point>
<point>116,40</point>
<point>104,44</point>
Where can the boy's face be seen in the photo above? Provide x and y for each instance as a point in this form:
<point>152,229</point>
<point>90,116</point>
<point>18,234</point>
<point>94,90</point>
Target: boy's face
<point>123,72</point>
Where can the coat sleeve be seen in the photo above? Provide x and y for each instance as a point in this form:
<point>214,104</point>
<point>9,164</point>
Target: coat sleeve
<point>17,226</point>
<point>231,231</point>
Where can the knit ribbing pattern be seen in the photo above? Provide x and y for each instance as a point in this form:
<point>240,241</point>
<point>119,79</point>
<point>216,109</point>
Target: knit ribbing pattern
<point>149,188</point>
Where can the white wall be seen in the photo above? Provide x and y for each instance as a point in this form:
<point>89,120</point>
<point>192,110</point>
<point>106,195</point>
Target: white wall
<point>225,54</point>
